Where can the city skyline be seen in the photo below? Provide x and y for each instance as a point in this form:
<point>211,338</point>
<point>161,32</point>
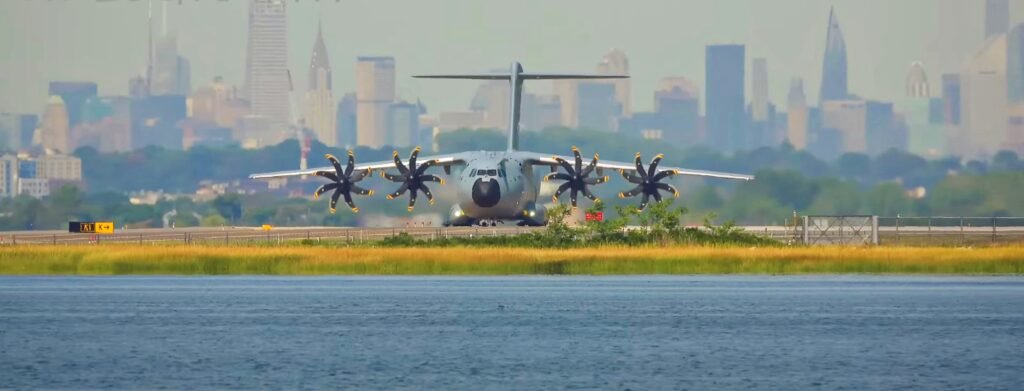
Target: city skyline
<point>941,34</point>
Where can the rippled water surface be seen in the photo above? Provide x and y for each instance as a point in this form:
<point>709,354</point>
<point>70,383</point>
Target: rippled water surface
<point>512,333</point>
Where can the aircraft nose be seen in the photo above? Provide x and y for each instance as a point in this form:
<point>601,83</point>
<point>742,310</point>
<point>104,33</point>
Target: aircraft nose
<point>486,193</point>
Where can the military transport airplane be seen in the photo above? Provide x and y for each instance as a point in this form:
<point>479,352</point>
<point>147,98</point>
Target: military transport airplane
<point>500,185</point>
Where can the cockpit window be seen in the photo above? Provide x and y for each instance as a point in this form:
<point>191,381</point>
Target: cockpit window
<point>472,172</point>
<point>492,172</point>
<point>481,172</point>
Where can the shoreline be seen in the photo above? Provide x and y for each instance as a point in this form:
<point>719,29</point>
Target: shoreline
<point>505,261</point>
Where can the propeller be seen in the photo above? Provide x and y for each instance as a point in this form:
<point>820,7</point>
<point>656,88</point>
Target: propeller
<point>648,182</point>
<point>343,182</point>
<point>576,177</point>
<point>413,178</point>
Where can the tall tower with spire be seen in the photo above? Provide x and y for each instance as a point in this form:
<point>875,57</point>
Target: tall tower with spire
<point>320,108</point>
<point>266,70</point>
<point>833,73</point>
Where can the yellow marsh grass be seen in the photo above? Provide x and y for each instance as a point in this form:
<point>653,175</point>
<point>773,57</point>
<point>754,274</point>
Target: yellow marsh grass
<point>213,260</point>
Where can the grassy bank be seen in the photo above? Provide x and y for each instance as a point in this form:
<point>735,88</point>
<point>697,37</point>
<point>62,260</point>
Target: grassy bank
<point>236,260</point>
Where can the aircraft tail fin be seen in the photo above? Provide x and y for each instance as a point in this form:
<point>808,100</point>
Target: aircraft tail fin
<point>515,77</point>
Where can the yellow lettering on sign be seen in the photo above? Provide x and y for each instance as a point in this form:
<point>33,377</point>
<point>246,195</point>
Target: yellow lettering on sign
<point>106,227</point>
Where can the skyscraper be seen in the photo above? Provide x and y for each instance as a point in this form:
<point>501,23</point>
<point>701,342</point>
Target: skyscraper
<point>54,130</point>
<point>598,106</point>
<point>926,137</point>
<point>491,98</point>
<point>74,94</point>
<point>725,77</point>
<point>997,17</point>
<point>797,115</point>
<point>1015,89</point>
<point>375,91</point>
<point>759,84</point>
<point>833,73</point>
<point>347,121</point>
<point>616,63</point>
<point>171,71</point>
<point>267,83</point>
<point>983,97</point>
<point>320,107</point>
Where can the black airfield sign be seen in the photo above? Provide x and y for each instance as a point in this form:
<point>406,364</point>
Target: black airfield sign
<point>91,227</point>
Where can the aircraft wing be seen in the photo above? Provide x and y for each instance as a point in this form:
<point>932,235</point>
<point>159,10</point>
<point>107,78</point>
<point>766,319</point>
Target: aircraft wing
<point>549,160</point>
<point>446,161</point>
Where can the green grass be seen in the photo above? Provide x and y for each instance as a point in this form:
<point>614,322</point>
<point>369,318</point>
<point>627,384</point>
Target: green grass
<point>609,260</point>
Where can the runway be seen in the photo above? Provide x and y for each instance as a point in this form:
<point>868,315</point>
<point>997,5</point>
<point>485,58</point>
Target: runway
<point>230,235</point>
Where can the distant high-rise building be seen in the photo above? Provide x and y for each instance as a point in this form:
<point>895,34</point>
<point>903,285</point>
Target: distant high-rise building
<point>105,126</point>
<point>849,118</point>
<point>568,97</point>
<point>171,71</point>
<point>997,17</point>
<point>541,111</point>
<point>797,115</point>
<point>267,82</point>
<point>156,121</point>
<point>74,95</point>
<point>491,98</point>
<point>983,97</point>
<point>1015,89</point>
<point>54,130</point>
<point>725,67</point>
<point>616,63</point>
<point>375,92</point>
<point>759,82</point>
<point>219,104</point>
<point>882,130</point>
<point>137,87</point>
<point>16,130</point>
<point>834,72</point>
<point>927,137</point>
<point>403,124</point>
<point>598,105</point>
<point>1015,64</point>
<point>321,114</point>
<point>347,120</point>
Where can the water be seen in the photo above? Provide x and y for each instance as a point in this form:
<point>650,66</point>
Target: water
<point>827,333</point>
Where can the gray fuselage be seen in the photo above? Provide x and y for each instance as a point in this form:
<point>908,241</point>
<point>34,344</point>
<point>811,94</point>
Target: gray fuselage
<point>496,186</point>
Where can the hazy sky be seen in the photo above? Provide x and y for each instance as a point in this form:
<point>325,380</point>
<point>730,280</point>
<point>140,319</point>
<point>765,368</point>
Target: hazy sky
<point>105,40</point>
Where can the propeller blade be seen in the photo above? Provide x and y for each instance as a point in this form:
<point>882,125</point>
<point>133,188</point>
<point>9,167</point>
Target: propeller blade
<point>412,158</point>
<point>412,200</point>
<point>653,167</point>
<point>631,177</point>
<point>392,177</point>
<point>328,175</point>
<point>561,189</point>
<point>401,190</point>
<point>590,168</point>
<point>557,176</point>
<point>595,181</point>
<point>656,195</point>
<point>588,194</point>
<point>632,192</point>
<point>565,165</point>
<point>579,159</point>
<point>360,175</point>
<point>431,178</point>
<point>323,189</point>
<point>398,164</point>
<point>572,197</point>
<point>665,174</point>
<point>336,164</point>
<point>423,167</point>
<point>669,188</point>
<point>334,200</point>
<point>351,164</point>
<point>643,202</point>
<point>361,191</point>
<point>348,201</point>
<point>426,192</point>
<point>640,167</point>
